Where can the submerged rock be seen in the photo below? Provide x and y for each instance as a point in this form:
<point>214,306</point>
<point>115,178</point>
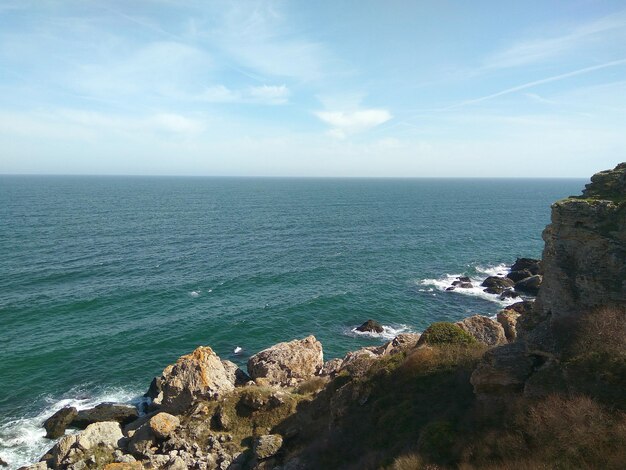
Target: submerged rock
<point>287,364</point>
<point>484,330</point>
<point>200,374</point>
<point>56,424</point>
<point>370,326</point>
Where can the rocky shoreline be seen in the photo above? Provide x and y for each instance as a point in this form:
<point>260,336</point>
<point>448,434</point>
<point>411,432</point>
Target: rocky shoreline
<point>206,413</point>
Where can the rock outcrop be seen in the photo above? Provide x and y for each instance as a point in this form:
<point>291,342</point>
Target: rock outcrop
<point>287,364</point>
<point>200,374</point>
<point>123,414</point>
<point>584,259</point>
<point>484,330</point>
<point>56,424</point>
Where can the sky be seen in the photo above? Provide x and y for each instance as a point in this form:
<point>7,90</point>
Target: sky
<point>388,88</point>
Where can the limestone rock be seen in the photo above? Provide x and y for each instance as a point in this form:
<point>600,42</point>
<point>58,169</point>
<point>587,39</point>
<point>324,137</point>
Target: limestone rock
<point>484,329</point>
<point>331,368</point>
<point>56,424</point>
<point>267,446</point>
<point>404,342</point>
<point>287,364</point>
<point>163,425</point>
<point>530,285</point>
<point>200,374</point>
<point>123,414</point>
<point>107,433</point>
<point>508,320</point>
<point>584,259</point>
<point>124,466</point>
<point>142,442</point>
<point>235,374</point>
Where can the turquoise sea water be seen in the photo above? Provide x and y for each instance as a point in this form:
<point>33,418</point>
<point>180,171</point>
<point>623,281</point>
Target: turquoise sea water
<point>106,280</point>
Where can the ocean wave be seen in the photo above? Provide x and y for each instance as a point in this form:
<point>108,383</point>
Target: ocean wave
<point>477,275</point>
<point>388,333</point>
<point>22,440</point>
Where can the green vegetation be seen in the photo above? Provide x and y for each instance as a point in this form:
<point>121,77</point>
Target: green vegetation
<point>446,333</point>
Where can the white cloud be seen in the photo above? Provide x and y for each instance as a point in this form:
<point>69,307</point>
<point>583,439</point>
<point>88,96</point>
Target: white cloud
<point>177,124</point>
<point>352,122</point>
<point>264,94</point>
<point>270,94</point>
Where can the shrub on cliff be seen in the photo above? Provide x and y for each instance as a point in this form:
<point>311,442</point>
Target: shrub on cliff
<point>445,333</point>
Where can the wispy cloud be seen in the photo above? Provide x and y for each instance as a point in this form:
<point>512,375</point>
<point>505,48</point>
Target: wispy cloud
<point>542,81</point>
<point>264,94</point>
<point>347,123</point>
<point>542,49</point>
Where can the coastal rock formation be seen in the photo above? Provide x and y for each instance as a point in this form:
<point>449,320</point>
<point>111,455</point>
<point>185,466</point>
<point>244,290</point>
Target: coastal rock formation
<point>287,364</point>
<point>123,414</point>
<point>529,285</point>
<point>508,319</point>
<point>584,259</point>
<point>484,330</point>
<point>56,424</point>
<point>200,374</point>
<point>370,326</point>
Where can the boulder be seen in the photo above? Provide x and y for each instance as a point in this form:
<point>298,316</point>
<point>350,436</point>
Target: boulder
<point>154,389</point>
<point>494,290</point>
<point>484,330</point>
<point>508,320</point>
<point>529,285</point>
<point>530,264</point>
<point>143,441</point>
<point>163,425</point>
<point>267,446</point>
<point>122,414</point>
<point>464,279</point>
<point>107,434</point>
<point>56,424</point>
<point>370,326</point>
<point>235,374</point>
<point>200,374</point>
<point>498,282</point>
<point>508,294</point>
<point>502,371</point>
<point>465,285</point>
<point>287,364</point>
<point>517,276</point>
<point>523,307</point>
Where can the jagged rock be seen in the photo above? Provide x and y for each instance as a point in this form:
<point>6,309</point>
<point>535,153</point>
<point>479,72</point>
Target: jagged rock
<point>200,374</point>
<point>143,441</point>
<point>3,463</point>
<point>36,466</point>
<point>497,282</point>
<point>122,414</point>
<point>529,285</point>
<point>371,326</point>
<point>508,320</point>
<point>584,259</point>
<point>287,364</point>
<point>331,368</point>
<point>56,424</point>
<point>124,466</point>
<point>502,371</point>
<point>464,279</point>
<point>154,389</point>
<point>523,308</point>
<point>529,264</point>
<point>404,342</point>
<point>235,374</point>
<point>163,425</point>
<point>484,329</point>
<point>267,446</point>
<point>517,276</point>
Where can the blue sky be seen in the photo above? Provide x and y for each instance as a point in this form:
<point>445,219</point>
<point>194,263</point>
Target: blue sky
<point>312,88</point>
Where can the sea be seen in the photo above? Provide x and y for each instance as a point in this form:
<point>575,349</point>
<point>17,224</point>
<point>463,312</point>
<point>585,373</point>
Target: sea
<point>106,280</point>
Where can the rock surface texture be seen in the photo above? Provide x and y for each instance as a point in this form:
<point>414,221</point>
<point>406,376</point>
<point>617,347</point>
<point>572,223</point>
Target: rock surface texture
<point>584,259</point>
<point>287,364</point>
<point>200,374</point>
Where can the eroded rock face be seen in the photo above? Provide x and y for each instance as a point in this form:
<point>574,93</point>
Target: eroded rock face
<point>484,329</point>
<point>508,320</point>
<point>584,259</point>
<point>287,364</point>
<point>200,374</point>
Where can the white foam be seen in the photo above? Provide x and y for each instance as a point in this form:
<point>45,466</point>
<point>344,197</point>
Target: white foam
<point>237,350</point>
<point>388,333</point>
<point>194,293</point>
<point>482,272</point>
<point>22,440</point>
